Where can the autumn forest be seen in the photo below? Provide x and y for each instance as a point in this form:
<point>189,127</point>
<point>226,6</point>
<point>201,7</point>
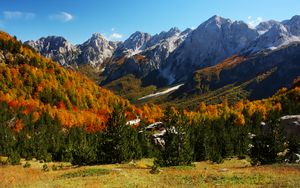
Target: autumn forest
<point>56,114</point>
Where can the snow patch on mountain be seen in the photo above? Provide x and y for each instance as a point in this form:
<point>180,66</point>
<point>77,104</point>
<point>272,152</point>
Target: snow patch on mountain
<point>275,35</point>
<point>135,44</point>
<point>263,27</point>
<point>162,92</point>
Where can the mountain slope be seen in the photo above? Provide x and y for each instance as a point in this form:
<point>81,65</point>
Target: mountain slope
<point>149,57</point>
<point>135,44</point>
<point>260,75</point>
<point>35,84</point>
<point>212,42</point>
<point>275,35</point>
<point>171,57</point>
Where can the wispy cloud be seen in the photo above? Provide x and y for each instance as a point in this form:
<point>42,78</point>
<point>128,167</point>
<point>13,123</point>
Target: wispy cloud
<point>115,36</point>
<point>62,17</point>
<point>253,22</point>
<point>18,15</point>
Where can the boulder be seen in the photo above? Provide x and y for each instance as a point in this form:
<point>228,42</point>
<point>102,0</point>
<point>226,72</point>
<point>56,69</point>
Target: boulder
<point>291,125</point>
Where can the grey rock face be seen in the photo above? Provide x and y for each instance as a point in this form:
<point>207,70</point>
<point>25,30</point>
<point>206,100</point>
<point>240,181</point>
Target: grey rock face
<point>96,50</point>
<point>144,54</point>
<point>213,41</point>
<point>275,35</point>
<point>293,25</point>
<point>135,44</point>
<point>56,48</point>
<point>162,45</point>
<point>265,26</point>
<point>291,125</point>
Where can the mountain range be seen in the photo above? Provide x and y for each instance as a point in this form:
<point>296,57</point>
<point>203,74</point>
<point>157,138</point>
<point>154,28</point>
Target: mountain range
<point>217,53</point>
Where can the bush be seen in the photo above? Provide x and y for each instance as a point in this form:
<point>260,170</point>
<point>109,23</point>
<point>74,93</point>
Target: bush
<point>84,154</point>
<point>45,168</point>
<point>54,167</point>
<point>27,165</point>
<point>14,158</point>
<point>3,162</point>
<point>155,170</point>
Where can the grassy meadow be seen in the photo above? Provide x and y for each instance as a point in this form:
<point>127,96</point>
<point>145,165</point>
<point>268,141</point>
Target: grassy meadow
<point>231,173</point>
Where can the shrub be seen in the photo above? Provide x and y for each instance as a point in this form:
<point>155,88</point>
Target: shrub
<point>54,167</point>
<point>27,165</point>
<point>45,168</point>
<point>14,158</point>
<point>155,170</point>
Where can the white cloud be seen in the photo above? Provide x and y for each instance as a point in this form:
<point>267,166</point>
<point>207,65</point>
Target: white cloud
<point>115,36</point>
<point>18,15</point>
<point>62,17</point>
<point>254,22</point>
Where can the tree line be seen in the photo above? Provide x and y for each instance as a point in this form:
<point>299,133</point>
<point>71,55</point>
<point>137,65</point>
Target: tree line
<point>185,140</point>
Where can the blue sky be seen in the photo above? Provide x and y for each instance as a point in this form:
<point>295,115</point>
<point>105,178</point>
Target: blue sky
<point>76,20</point>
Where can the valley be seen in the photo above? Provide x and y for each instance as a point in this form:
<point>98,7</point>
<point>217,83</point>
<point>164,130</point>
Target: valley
<point>116,95</point>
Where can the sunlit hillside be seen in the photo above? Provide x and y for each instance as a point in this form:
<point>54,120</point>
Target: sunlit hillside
<point>34,84</point>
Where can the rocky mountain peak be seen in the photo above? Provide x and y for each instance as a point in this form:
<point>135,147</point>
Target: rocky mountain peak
<point>51,43</point>
<point>216,21</point>
<point>213,41</point>
<point>97,36</point>
<point>135,44</point>
<point>96,41</point>
<point>275,35</point>
<point>293,25</point>
<point>186,31</point>
<point>137,40</point>
<point>96,50</point>
<point>55,47</point>
<point>174,31</point>
<point>295,19</point>
<point>265,26</point>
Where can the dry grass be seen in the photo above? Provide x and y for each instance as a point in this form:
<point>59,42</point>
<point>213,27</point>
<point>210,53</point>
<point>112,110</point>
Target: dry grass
<point>232,173</point>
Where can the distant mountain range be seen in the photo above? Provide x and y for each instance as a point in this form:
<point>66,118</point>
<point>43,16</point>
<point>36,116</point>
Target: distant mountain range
<point>94,51</point>
<point>177,56</point>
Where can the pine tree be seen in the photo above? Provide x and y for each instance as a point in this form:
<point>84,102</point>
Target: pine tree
<point>7,137</point>
<point>177,149</point>
<point>144,140</point>
<point>212,143</point>
<point>7,140</point>
<point>268,142</point>
<point>116,144</point>
<point>198,130</point>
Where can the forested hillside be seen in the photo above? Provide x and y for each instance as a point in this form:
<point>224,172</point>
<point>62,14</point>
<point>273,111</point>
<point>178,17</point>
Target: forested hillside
<point>52,113</point>
<point>34,84</point>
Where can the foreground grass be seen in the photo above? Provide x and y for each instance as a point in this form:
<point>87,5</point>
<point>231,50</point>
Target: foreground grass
<point>232,173</point>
